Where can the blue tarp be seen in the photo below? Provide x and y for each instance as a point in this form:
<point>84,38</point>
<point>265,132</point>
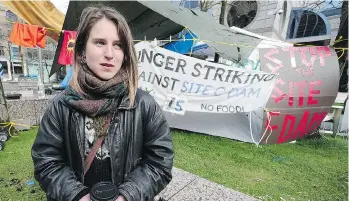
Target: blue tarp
<point>184,46</point>
<point>67,77</point>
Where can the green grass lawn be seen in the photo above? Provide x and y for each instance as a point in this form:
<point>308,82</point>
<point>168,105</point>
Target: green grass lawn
<point>315,169</point>
<point>16,170</point>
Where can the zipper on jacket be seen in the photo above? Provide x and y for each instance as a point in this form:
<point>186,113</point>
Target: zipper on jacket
<point>115,120</point>
<point>78,135</point>
<point>109,132</point>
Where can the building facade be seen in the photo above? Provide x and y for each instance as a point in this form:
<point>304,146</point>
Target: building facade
<point>303,21</point>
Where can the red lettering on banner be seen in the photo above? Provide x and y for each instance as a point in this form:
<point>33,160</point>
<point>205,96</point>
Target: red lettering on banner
<point>305,72</point>
<point>291,50</point>
<point>290,94</point>
<point>303,127</point>
<point>268,55</point>
<point>300,86</point>
<point>323,52</point>
<point>316,120</point>
<point>309,63</point>
<point>284,129</point>
<point>281,95</point>
<point>293,58</point>
<point>298,71</point>
<point>310,119</point>
<point>313,92</point>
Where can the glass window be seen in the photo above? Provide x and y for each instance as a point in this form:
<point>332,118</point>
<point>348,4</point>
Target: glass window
<point>191,4</point>
<point>241,13</point>
<point>310,24</point>
<point>15,52</point>
<point>2,51</point>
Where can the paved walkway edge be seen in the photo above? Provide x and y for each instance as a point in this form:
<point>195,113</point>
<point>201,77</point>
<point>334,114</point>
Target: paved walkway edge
<point>189,187</point>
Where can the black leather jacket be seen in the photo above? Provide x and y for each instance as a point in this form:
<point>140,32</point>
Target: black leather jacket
<point>141,150</point>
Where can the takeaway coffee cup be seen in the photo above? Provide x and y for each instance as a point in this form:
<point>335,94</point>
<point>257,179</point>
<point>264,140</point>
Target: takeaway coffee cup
<point>104,191</point>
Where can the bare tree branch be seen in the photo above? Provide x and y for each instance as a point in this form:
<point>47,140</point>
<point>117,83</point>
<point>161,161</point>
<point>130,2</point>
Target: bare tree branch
<point>328,4</point>
<point>206,5</point>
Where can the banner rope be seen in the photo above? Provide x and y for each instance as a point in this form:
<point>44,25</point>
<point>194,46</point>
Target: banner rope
<point>11,124</point>
<point>206,41</point>
<point>256,143</point>
<point>268,126</point>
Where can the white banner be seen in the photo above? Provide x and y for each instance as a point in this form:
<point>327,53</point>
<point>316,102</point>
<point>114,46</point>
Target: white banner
<point>180,83</point>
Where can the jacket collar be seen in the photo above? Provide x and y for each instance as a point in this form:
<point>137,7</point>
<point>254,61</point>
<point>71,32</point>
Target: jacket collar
<point>125,103</point>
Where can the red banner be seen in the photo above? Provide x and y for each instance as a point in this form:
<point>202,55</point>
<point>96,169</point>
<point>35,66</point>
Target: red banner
<point>304,92</point>
<point>66,56</point>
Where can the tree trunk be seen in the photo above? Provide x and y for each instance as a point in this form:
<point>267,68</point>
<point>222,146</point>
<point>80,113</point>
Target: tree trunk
<point>4,115</point>
<point>3,105</point>
<point>11,64</point>
<point>221,21</point>
<point>222,14</point>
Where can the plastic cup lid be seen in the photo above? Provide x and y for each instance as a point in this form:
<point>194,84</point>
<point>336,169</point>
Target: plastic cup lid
<point>104,191</point>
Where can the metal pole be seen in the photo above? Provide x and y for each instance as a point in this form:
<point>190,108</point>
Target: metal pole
<point>41,89</point>
<point>9,70</point>
<point>25,63</point>
<point>9,67</point>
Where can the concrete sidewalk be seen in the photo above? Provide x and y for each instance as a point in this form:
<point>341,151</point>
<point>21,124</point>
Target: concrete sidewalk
<point>189,187</point>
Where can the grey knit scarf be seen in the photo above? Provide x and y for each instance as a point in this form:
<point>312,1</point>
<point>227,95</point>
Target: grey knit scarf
<point>100,97</point>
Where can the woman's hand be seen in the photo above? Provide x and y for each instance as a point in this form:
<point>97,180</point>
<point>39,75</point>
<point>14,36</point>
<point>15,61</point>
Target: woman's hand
<point>85,198</point>
<point>121,198</point>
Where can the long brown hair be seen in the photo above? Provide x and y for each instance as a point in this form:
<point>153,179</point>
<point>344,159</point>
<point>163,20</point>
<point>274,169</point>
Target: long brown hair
<point>89,17</point>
